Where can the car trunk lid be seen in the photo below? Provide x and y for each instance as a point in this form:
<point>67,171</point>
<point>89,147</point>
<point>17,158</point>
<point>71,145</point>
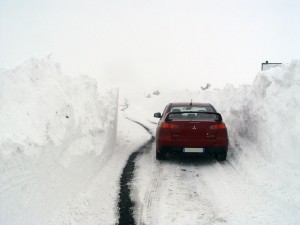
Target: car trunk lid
<point>193,130</point>
<point>194,125</point>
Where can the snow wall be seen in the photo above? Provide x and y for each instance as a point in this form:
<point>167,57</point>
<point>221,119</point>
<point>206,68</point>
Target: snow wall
<point>55,134</point>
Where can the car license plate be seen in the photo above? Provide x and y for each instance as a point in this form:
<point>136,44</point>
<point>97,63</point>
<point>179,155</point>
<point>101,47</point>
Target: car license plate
<point>196,150</point>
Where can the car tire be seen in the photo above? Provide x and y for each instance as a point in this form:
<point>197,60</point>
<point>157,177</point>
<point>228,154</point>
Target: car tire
<point>160,156</point>
<point>221,156</point>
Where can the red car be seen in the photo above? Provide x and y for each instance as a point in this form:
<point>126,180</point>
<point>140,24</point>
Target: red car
<point>191,128</point>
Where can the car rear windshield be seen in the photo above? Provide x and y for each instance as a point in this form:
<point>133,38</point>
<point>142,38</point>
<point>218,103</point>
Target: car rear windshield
<point>193,115</point>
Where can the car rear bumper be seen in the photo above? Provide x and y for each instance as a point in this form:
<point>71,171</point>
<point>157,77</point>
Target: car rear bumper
<point>177,145</point>
<point>218,142</point>
<point>192,142</point>
<point>180,150</point>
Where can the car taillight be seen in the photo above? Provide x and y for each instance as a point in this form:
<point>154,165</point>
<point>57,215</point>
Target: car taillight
<point>218,126</point>
<point>169,125</point>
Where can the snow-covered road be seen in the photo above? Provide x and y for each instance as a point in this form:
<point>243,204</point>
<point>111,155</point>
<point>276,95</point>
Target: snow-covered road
<point>203,191</point>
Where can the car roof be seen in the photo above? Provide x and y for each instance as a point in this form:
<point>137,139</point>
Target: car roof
<point>189,104</point>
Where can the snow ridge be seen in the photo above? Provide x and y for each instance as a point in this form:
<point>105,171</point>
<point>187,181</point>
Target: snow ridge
<point>54,133</point>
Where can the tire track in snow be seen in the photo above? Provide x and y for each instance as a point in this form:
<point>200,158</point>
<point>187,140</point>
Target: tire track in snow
<point>146,209</point>
<point>125,204</point>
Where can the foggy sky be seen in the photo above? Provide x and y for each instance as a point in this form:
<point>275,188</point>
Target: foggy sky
<point>154,43</point>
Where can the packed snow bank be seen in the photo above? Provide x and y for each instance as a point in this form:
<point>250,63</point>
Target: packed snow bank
<point>263,124</point>
<point>42,107</point>
<point>55,134</point>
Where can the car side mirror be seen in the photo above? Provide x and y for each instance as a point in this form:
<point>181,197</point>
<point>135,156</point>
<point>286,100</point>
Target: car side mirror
<point>157,115</point>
